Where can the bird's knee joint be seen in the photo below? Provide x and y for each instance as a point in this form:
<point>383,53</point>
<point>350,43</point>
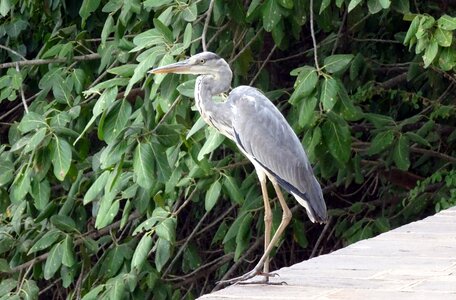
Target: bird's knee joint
<point>286,216</point>
<point>267,218</point>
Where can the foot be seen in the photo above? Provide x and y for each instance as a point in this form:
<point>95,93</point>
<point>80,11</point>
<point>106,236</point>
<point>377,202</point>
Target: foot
<point>249,275</point>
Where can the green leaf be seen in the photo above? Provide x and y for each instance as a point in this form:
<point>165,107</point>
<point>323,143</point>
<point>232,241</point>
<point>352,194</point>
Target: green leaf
<point>41,192</point>
<point>126,70</point>
<point>430,53</point>
<point>5,6</point>
<point>92,295</point>
<point>31,121</point>
<point>413,29</point>
<point>115,121</point>
<point>104,102</point>
<point>190,13</point>
<point>141,69</point>
<point>385,3</point>
<point>378,120</point>
<point>88,7</point>
<point>112,262</point>
<point>107,211</point>
<point>143,165</point>
<point>336,135</point>
<point>374,6</point>
<point>53,261</point>
<point>337,62</point>
<point>107,28</point>
<point>381,142</point>
<point>6,171</point>
<point>288,4</point>
<point>443,37</point>
<point>447,59</point>
<point>68,258</point>
<point>417,139</point>
<point>401,153</point>
<point>213,141</point>
<point>328,93</point>
<point>324,5</point>
<point>446,22</point>
<point>212,195</point>
<point>35,140</point>
<point>307,111</point>
<point>7,285</point>
<point>47,240</point>
<point>166,229</point>
<point>60,157</point>
<point>188,35</point>
<point>96,187</point>
<point>232,189</point>
<point>116,289</point>
<point>305,83</point>
<point>20,186</point>
<point>299,233</point>
<point>163,253</point>
<point>271,15</point>
<point>353,4</point>
<point>141,252</point>
<point>243,235</point>
<point>163,168</point>
<point>63,223</point>
<point>401,6</point>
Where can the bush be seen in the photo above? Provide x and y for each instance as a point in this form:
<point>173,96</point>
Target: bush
<point>112,187</point>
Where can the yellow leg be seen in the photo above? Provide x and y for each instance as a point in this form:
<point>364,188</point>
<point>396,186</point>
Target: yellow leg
<point>286,217</point>
<point>267,222</point>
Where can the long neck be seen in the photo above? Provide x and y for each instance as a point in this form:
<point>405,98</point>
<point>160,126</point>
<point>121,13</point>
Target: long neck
<point>217,114</point>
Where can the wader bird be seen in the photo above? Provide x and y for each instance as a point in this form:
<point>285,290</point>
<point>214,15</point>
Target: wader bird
<point>263,135</point>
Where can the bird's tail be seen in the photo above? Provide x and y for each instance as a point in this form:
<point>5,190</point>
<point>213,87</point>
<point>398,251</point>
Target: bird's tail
<point>313,202</point>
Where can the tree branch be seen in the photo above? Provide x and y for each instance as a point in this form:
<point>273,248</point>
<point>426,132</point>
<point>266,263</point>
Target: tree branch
<point>206,25</point>
<point>93,234</point>
<point>314,41</point>
<point>36,62</point>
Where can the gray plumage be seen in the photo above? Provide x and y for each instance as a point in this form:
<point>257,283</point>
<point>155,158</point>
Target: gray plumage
<point>262,132</point>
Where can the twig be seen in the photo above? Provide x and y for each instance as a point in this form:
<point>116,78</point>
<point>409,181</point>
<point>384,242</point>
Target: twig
<point>223,260</point>
<point>217,33</point>
<point>246,45</point>
<point>216,221</point>
<point>16,107</point>
<point>314,41</point>
<point>376,41</point>
<point>233,268</point>
<point>344,18</point>
<point>36,62</point>
<point>394,81</point>
<point>434,154</point>
<point>263,64</point>
<point>12,51</point>
<point>227,256</point>
<point>206,24</point>
<point>320,238</point>
<point>184,246</point>
<point>92,234</point>
<point>24,102</point>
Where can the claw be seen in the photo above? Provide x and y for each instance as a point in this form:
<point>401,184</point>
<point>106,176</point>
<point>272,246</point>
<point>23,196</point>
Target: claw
<point>251,274</point>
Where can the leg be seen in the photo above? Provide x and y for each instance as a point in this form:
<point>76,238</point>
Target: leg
<point>286,217</point>
<point>267,222</point>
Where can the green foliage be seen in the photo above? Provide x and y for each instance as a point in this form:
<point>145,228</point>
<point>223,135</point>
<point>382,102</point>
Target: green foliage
<point>113,187</point>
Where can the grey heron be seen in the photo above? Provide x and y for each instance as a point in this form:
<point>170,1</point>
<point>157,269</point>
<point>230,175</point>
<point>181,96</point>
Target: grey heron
<point>263,135</point>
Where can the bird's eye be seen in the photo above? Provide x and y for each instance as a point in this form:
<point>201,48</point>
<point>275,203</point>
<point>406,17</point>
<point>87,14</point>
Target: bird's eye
<point>202,61</point>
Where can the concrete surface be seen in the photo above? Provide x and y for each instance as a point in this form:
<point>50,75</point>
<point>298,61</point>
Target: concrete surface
<point>415,261</point>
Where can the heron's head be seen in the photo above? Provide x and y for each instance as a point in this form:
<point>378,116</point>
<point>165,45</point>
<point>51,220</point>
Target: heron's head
<point>204,63</point>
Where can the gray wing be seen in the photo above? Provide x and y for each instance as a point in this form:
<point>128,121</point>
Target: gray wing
<point>262,132</point>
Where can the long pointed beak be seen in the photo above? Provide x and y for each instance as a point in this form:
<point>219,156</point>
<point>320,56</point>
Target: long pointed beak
<point>181,67</point>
